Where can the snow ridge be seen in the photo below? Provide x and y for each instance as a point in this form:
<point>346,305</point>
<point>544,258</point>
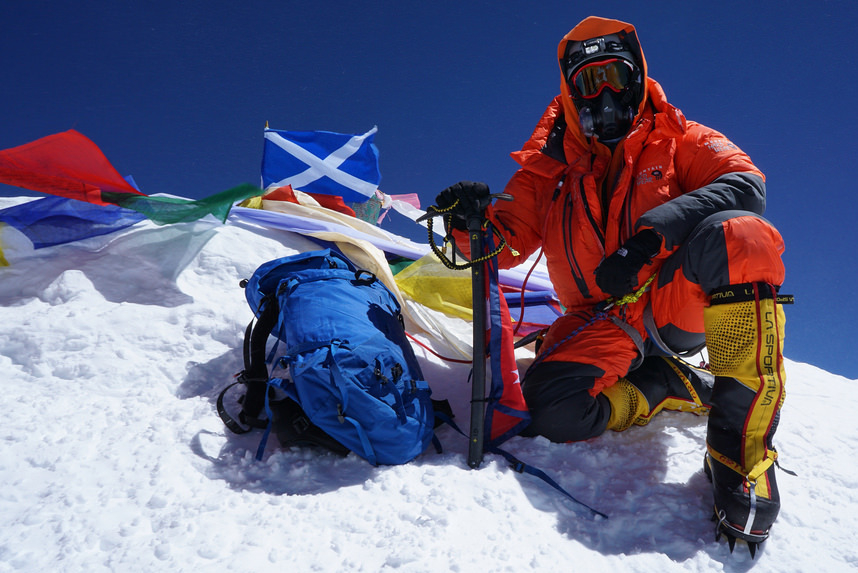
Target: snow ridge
<point>113,351</point>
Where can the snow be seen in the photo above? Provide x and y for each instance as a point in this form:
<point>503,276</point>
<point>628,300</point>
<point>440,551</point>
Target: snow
<point>114,349</point>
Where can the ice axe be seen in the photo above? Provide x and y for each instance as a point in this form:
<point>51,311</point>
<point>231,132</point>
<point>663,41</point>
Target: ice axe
<point>476,435</point>
<point>476,236</point>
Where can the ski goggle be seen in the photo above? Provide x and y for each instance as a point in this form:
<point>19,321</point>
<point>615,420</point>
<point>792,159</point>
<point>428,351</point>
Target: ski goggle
<point>589,80</point>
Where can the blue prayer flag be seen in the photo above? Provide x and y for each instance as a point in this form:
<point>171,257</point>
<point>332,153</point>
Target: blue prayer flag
<point>53,221</point>
<point>322,162</point>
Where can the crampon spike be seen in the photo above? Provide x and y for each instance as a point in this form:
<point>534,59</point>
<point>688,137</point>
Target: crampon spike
<point>752,547</point>
<point>731,541</point>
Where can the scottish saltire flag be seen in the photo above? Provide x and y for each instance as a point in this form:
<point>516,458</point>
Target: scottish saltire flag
<point>322,162</point>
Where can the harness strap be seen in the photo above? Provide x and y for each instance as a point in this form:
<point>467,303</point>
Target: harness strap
<point>652,331</point>
<point>601,313</point>
<point>632,333</point>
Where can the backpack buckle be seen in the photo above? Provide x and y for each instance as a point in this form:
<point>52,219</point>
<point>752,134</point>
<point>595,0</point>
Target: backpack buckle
<point>364,277</point>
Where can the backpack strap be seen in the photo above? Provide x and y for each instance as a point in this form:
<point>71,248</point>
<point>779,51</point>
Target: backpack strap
<point>339,379</point>
<point>255,373</point>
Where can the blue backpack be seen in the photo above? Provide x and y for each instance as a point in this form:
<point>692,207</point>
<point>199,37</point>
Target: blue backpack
<point>354,382</point>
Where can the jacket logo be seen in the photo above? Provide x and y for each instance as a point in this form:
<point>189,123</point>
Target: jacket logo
<point>719,144</point>
<point>649,175</point>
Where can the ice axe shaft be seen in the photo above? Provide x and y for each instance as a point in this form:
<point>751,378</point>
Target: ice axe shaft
<point>476,435</point>
<point>479,268</point>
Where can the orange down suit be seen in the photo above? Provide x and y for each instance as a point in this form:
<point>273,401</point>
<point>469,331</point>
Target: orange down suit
<point>579,202</point>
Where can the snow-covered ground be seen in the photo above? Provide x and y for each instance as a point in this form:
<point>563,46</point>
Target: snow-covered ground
<point>113,350</point>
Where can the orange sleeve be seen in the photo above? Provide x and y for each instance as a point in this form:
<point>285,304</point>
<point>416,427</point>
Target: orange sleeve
<point>703,155</point>
<point>714,175</point>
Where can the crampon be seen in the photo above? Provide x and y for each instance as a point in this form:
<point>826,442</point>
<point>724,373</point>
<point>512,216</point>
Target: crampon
<point>732,534</point>
<point>732,531</point>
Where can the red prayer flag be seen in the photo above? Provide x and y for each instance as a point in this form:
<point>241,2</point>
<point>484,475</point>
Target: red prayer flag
<point>67,164</point>
<point>285,193</point>
<point>70,165</point>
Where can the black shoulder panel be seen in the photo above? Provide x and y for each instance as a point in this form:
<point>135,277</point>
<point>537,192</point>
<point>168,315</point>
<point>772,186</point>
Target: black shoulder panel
<point>553,147</point>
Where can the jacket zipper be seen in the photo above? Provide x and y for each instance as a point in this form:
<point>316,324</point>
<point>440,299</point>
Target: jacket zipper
<point>587,210</point>
<point>577,274</point>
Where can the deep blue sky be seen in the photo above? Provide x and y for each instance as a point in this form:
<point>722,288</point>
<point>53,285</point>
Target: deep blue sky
<point>177,94</point>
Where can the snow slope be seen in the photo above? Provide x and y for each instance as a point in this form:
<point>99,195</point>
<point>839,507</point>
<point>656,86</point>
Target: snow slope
<point>113,350</point>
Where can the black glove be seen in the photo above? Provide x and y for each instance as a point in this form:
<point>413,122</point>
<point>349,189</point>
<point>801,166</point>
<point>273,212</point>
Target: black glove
<point>473,198</point>
<point>617,275</point>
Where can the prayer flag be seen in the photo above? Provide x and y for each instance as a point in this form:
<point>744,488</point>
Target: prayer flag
<point>70,165</point>
<point>53,221</point>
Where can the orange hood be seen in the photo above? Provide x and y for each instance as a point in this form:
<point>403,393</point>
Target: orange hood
<point>593,27</point>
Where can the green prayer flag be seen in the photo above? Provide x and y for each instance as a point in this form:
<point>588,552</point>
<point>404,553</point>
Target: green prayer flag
<point>168,210</point>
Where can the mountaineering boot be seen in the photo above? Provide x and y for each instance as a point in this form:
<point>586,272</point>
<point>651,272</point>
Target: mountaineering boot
<point>744,334</point>
<point>755,499</point>
<point>627,405</point>
<point>669,383</point>
<point>660,383</point>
